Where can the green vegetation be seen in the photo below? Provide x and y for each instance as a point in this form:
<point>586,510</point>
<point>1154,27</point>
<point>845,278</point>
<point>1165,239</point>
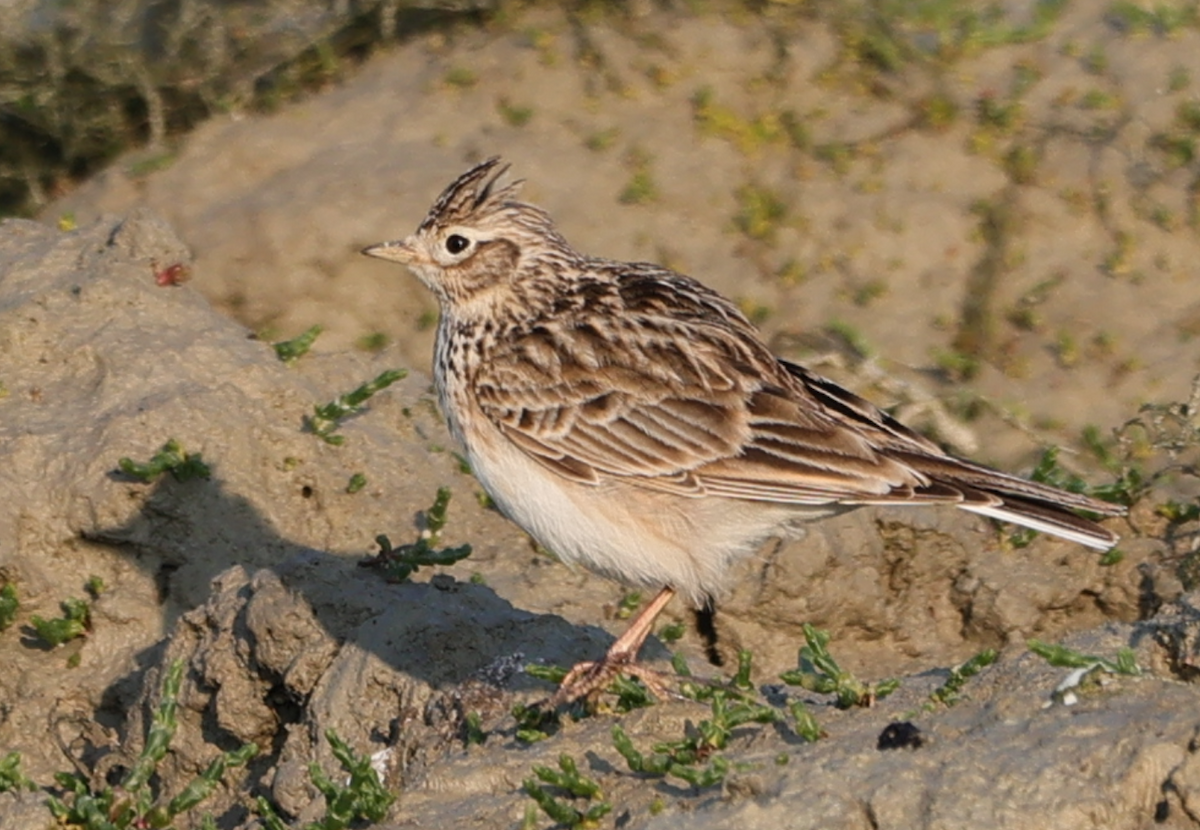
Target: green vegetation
<point>358,795</point>
<point>356,483</point>
<point>741,678</point>
<point>568,781</point>
<point>11,777</point>
<point>749,135</point>
<point>804,723</point>
<point>76,621</point>
<point>535,723</point>
<point>682,758</point>
<point>1095,61</point>
<point>514,115</point>
<point>1067,658</point>
<point>602,139</point>
<point>837,154</point>
<point>1162,18</point>
<point>1179,79</point>
<point>1021,164</point>
<point>9,605</point>
<point>460,77</point>
<point>1164,218</point>
<point>671,632</point>
<point>1024,313</point>
<point>473,733</point>
<point>1002,116</point>
<point>819,672</point>
<point>628,605</point>
<point>938,112</point>
<point>183,466</point>
<point>1179,149</point>
<point>1178,513</point>
<point>1098,99</point>
<point>94,586</point>
<point>1170,434</point>
<point>326,418</point>
<point>973,340</point>
<point>543,42</point>
<point>107,94</point>
<point>402,562</point>
<point>137,802</point>
<point>761,212</point>
<point>375,341</point>
<point>851,336</point>
<point>888,35</point>
<point>641,189</point>
<point>1066,349</point>
<point>398,564</point>
<point>756,312</point>
<point>949,692</point>
<point>289,351</point>
<point>1178,143</point>
<point>865,293</point>
<point>427,320</point>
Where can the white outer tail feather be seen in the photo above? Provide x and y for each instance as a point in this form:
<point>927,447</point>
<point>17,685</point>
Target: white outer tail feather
<point>1092,540</point>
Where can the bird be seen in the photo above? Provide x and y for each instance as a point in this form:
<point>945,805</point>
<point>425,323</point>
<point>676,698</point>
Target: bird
<point>634,422</point>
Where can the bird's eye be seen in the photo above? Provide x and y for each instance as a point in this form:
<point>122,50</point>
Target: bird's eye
<point>456,244</point>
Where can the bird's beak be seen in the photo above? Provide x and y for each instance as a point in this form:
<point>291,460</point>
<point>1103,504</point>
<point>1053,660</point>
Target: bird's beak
<point>396,251</point>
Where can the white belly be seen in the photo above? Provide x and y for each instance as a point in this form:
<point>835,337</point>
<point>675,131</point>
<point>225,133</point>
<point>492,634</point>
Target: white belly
<point>637,536</point>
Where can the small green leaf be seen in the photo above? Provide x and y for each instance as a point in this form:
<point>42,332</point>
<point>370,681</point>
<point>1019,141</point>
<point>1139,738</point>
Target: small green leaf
<point>9,605</point>
<point>741,680</point>
<point>326,418</point>
<point>289,351</point>
<point>11,777</point>
<point>171,458</point>
<point>805,724</point>
<point>1063,657</point>
<point>819,672</point>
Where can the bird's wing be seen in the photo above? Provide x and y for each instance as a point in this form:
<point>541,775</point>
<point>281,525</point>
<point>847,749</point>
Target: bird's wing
<point>695,407</point>
<point>672,389</point>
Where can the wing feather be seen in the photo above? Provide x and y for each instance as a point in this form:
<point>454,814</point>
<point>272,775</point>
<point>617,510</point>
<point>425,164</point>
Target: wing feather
<point>674,391</point>
<point>727,419</point>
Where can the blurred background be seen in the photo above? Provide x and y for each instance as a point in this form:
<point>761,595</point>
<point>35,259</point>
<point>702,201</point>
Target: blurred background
<point>981,214</point>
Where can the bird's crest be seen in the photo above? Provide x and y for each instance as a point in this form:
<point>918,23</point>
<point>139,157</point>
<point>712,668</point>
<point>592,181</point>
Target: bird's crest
<point>471,195</point>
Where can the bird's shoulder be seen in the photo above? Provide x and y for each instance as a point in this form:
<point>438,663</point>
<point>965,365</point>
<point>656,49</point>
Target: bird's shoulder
<point>631,318</point>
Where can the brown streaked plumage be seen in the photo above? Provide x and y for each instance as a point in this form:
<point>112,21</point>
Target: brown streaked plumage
<point>634,421</point>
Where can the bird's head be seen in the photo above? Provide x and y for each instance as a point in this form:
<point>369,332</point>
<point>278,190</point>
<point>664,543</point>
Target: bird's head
<point>478,242</point>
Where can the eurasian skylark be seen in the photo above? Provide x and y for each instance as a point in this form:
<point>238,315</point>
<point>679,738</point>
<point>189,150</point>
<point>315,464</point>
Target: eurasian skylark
<point>633,421</point>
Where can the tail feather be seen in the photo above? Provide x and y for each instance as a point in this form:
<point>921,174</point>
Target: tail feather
<point>1051,520</point>
<point>1027,503</point>
<point>954,480</point>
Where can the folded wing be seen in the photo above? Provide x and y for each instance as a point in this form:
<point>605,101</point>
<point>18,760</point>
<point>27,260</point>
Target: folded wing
<point>675,399</point>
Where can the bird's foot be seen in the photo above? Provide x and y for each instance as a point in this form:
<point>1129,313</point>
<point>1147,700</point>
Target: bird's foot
<point>587,680</point>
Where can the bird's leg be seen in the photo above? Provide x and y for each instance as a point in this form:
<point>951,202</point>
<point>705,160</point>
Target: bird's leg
<point>588,678</point>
